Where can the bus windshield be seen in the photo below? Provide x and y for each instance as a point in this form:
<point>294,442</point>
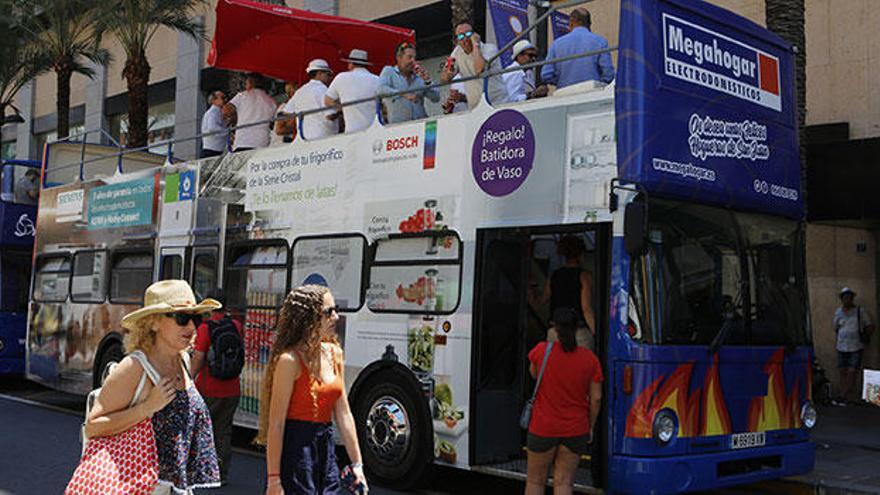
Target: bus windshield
<point>707,267</point>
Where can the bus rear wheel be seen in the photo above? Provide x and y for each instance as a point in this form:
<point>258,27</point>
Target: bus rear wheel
<point>112,354</point>
<point>394,430</point>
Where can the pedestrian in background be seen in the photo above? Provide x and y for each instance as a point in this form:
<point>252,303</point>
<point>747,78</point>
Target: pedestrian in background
<point>407,75</point>
<point>218,357</point>
<point>163,331</point>
<point>303,390</point>
<point>212,122</point>
<point>565,409</point>
<point>355,84</point>
<point>853,327</point>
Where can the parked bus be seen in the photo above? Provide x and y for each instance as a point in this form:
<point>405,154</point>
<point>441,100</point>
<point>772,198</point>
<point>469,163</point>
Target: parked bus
<point>19,190</point>
<point>682,180</point>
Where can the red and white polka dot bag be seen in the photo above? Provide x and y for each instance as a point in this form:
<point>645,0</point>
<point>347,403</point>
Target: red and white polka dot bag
<point>122,464</point>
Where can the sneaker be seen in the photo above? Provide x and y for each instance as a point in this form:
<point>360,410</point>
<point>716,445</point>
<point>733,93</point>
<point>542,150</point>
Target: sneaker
<point>838,402</point>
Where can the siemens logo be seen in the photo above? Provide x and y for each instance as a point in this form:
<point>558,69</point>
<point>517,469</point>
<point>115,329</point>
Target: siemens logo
<point>704,57</point>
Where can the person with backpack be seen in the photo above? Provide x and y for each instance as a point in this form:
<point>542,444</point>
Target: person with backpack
<point>218,357</point>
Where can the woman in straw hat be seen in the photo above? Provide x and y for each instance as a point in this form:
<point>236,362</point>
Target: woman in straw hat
<point>162,330</point>
<point>303,389</point>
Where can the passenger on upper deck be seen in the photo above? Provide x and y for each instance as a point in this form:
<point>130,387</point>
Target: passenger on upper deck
<point>282,133</point>
<point>355,84</point>
<point>521,84</point>
<point>579,40</point>
<point>212,121</point>
<point>309,97</point>
<point>469,58</point>
<point>27,189</point>
<point>406,75</point>
<point>251,106</point>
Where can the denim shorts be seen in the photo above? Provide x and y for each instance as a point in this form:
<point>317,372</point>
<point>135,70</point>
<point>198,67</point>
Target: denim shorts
<point>851,360</point>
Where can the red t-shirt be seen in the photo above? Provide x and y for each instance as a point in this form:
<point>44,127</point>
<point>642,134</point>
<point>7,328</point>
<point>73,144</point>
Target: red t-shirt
<point>208,385</point>
<point>562,406</point>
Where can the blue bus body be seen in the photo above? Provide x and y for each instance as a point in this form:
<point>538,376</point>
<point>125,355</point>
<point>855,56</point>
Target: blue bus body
<point>706,115</point>
<point>17,221</point>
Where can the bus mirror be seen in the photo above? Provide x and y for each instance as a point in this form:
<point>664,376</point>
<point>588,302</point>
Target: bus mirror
<point>635,228</point>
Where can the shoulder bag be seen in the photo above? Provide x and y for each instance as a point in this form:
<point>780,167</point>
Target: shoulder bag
<point>526,415</point>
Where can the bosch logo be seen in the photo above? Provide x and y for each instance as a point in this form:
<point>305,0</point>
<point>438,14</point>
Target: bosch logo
<point>403,143</point>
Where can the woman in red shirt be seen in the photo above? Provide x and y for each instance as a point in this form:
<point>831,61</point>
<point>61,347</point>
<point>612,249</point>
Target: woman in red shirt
<point>303,388</point>
<point>566,407</point>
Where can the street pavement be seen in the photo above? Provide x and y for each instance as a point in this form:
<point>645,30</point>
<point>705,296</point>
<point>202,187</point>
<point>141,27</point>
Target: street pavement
<point>39,449</point>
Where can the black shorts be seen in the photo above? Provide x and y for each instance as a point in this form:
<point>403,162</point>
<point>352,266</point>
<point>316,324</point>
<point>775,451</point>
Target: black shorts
<point>579,445</point>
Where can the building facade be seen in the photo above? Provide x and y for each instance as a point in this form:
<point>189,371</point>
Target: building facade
<point>843,120</point>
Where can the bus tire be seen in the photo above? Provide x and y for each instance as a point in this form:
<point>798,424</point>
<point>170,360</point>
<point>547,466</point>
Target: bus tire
<point>112,353</point>
<point>395,430</point>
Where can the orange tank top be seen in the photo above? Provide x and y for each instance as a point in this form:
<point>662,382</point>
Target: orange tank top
<point>302,404</point>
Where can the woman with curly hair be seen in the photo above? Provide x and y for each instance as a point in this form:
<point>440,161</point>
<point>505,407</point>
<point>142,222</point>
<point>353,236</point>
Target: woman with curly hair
<point>302,389</point>
<point>159,335</point>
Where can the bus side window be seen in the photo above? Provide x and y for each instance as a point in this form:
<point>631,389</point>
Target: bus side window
<point>257,276</point>
<point>204,277</point>
<point>416,275</point>
<point>172,267</point>
<point>52,279</point>
<point>88,281</point>
<point>333,261</point>
<point>130,274</point>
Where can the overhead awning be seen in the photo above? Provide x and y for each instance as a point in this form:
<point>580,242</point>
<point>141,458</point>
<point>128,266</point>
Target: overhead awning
<point>279,41</point>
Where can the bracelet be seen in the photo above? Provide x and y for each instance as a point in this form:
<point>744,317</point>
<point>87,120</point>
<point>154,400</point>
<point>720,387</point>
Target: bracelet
<point>355,465</point>
<point>273,475</point>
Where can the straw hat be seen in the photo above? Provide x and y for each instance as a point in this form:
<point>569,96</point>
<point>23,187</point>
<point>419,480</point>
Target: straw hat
<point>318,64</point>
<point>358,57</point>
<point>169,296</point>
<point>521,46</point>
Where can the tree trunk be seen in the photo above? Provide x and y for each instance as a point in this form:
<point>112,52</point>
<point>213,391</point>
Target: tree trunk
<point>137,75</point>
<point>63,72</point>
<point>462,11</point>
<point>786,18</point>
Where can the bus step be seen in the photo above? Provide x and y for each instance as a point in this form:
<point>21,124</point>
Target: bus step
<point>517,469</point>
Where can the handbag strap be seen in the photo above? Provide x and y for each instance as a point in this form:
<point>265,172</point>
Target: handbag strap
<point>149,370</point>
<point>541,372</point>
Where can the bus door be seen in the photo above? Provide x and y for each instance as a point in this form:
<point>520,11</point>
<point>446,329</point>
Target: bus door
<point>204,272</point>
<point>511,315</point>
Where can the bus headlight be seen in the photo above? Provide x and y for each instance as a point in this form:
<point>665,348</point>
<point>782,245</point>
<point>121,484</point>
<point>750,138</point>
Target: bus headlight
<point>665,424</point>
<point>808,415</point>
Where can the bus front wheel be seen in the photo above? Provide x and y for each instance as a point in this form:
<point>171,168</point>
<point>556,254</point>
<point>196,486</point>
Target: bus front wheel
<point>394,430</point>
<point>113,353</point>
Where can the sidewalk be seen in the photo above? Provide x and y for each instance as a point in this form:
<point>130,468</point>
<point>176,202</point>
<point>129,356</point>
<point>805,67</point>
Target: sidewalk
<point>847,451</point>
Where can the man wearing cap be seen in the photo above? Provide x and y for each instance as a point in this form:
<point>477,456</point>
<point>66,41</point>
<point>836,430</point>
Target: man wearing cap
<point>471,58</point>
<point>521,84</point>
<point>355,84</point>
<point>251,106</point>
<point>407,75</point>
<point>310,97</point>
<point>853,327</point>
<point>578,40</point>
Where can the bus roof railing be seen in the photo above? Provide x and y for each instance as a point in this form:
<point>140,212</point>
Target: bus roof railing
<point>299,116</point>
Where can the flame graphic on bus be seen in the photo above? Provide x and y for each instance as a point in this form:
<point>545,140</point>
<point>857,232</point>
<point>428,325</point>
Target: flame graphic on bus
<point>778,409</point>
<point>673,392</point>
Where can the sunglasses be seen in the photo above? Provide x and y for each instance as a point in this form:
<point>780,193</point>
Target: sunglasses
<point>329,311</point>
<point>183,319</point>
<point>461,36</point>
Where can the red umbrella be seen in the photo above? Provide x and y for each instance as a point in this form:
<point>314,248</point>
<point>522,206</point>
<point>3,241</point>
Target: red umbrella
<point>279,41</point>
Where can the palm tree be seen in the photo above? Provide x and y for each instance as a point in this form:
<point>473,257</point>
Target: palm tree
<point>786,18</point>
<point>67,37</point>
<point>19,61</point>
<point>134,23</point>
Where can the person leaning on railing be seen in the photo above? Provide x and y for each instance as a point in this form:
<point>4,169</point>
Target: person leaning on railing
<point>579,40</point>
<point>405,76</point>
<point>469,58</point>
<point>521,84</point>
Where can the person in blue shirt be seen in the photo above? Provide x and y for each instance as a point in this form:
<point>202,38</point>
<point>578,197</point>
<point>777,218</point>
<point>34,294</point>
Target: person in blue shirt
<point>406,75</point>
<point>579,40</point>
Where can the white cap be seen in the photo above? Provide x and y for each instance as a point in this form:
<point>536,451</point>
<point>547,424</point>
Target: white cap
<point>847,290</point>
<point>521,46</point>
<point>318,64</point>
<point>359,57</point>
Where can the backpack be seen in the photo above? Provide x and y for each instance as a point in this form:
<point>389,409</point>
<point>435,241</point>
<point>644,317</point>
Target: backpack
<point>226,355</point>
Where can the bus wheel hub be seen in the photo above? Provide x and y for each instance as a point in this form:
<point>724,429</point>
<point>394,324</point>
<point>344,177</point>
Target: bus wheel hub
<point>388,429</point>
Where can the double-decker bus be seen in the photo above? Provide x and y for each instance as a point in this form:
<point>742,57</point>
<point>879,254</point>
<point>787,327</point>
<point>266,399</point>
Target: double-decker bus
<point>682,180</point>
<point>19,189</point>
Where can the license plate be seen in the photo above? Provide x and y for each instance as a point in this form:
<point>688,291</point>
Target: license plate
<point>747,440</point>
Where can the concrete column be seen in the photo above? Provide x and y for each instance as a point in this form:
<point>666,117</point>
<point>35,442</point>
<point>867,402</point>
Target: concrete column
<point>96,93</point>
<point>25,144</point>
<point>188,100</point>
<point>323,6</point>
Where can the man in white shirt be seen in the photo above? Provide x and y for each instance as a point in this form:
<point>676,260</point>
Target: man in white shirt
<point>253,105</point>
<point>282,133</point>
<point>521,84</point>
<point>469,58</point>
<point>212,121</point>
<point>355,84</point>
<point>309,97</point>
